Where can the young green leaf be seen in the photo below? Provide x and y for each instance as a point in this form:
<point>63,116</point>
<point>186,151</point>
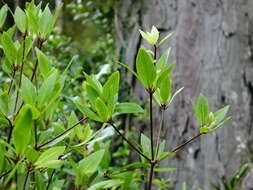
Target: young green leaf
<point>145,68</point>
<point>201,110</point>
<point>90,164</point>
<point>94,83</point>
<point>23,127</point>
<point>220,114</point>
<point>45,22</point>
<point>50,157</point>
<point>87,112</point>
<point>162,62</point>
<point>47,88</point>
<point>20,20</point>
<point>44,63</point>
<point>3,14</point>
<point>126,108</point>
<point>102,109</point>
<point>145,145</point>
<point>165,38</point>
<point>165,90</point>
<point>151,37</point>
<point>9,48</point>
<point>28,91</point>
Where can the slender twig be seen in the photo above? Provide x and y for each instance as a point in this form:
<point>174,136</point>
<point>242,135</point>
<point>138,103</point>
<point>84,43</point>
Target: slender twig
<point>129,142</point>
<point>50,179</point>
<point>12,78</point>
<point>153,161</point>
<point>5,173</point>
<point>26,178</point>
<point>151,124</point>
<point>151,176</point>
<point>21,73</point>
<point>11,128</point>
<point>155,52</point>
<point>186,142</point>
<point>37,61</point>
<point>35,135</point>
<point>160,129</point>
<point>63,133</point>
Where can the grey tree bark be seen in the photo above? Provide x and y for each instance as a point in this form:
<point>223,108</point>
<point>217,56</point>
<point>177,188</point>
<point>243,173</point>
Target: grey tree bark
<point>212,45</point>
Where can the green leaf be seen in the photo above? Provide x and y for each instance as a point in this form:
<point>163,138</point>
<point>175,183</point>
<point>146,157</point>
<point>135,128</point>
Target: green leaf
<point>91,93</point>
<point>20,19</point>
<point>164,74</point>
<point>161,148</point>
<point>111,87</point>
<point>47,88</point>
<point>175,94</point>
<point>126,108</point>
<point>45,22</point>
<point>23,127</point>
<point>31,154</point>
<point>146,145</point>
<point>87,112</point>
<point>110,91</point>
<point>162,62</point>
<point>165,38</point>
<point>28,91</point>
<point>94,83</point>
<point>164,169</point>
<point>145,68</point>
<point>112,184</point>
<point>220,124</point>
<point>151,37</point>
<point>40,184</point>
<point>220,114</point>
<point>9,48</point>
<point>102,109</point>
<point>165,90</point>
<point>130,69</point>
<point>44,63</point>
<point>201,110</point>
<point>3,14</point>
<point>166,155</point>
<point>90,164</point>
<point>50,157</point>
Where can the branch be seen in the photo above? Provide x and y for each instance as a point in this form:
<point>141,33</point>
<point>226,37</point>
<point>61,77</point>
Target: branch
<point>151,123</point>
<point>37,61</point>
<point>50,179</point>
<point>26,178</point>
<point>160,129</point>
<point>21,73</point>
<point>5,173</point>
<point>186,142</point>
<point>129,142</point>
<point>63,133</point>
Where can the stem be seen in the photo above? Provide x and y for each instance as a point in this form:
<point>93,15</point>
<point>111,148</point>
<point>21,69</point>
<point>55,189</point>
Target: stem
<point>12,78</point>
<point>35,135</point>
<point>129,142</point>
<point>155,53</point>
<point>50,179</point>
<point>151,176</point>
<point>5,173</point>
<point>11,129</point>
<point>160,129</point>
<point>26,178</point>
<point>63,133</point>
<point>36,63</point>
<point>186,142</point>
<point>21,73</point>
<point>151,124</point>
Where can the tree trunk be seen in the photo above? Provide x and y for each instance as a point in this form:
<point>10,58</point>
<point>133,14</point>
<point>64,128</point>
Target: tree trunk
<point>212,45</point>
